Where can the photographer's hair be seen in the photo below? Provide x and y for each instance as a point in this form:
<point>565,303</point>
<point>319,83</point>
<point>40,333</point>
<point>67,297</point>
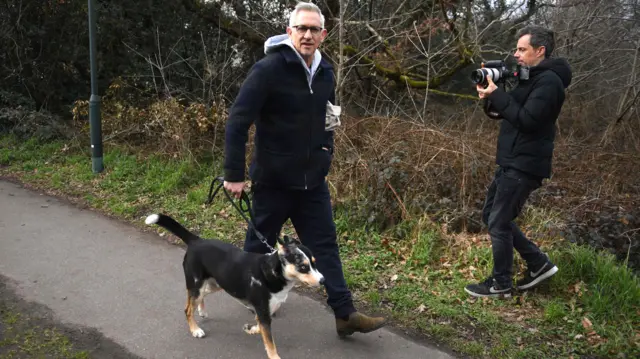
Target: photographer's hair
<point>305,6</point>
<point>540,36</point>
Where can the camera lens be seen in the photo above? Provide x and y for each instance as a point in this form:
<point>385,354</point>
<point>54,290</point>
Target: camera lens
<point>478,76</point>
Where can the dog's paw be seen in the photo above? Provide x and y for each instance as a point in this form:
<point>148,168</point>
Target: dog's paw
<point>251,329</point>
<point>198,333</point>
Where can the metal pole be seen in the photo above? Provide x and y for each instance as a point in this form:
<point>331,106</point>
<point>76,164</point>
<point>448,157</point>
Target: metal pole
<point>94,102</point>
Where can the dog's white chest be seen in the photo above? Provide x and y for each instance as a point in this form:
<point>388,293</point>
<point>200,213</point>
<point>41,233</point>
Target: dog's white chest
<point>277,299</point>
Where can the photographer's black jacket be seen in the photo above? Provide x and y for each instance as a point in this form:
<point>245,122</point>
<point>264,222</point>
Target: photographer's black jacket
<point>529,113</point>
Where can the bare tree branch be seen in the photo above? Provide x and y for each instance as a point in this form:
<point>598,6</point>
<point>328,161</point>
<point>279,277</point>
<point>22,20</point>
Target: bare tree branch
<point>212,12</point>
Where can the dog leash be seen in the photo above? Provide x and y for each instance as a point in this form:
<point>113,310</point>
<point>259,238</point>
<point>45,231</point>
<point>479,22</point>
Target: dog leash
<point>243,199</point>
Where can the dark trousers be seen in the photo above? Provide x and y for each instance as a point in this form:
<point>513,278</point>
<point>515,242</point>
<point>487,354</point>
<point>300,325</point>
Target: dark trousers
<point>506,197</point>
<point>312,217</point>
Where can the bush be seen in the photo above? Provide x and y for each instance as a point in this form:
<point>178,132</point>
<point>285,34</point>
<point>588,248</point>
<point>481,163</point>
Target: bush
<point>137,117</point>
<point>391,169</point>
<point>19,117</point>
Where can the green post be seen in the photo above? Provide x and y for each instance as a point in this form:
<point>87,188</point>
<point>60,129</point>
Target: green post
<point>94,102</point>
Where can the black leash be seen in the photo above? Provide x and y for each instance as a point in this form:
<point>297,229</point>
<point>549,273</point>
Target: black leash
<point>243,199</point>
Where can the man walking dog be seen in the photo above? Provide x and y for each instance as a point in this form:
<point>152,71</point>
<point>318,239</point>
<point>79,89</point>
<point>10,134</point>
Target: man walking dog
<point>524,153</point>
<point>286,94</point>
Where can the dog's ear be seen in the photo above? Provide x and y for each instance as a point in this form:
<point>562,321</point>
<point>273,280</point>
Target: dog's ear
<point>281,244</point>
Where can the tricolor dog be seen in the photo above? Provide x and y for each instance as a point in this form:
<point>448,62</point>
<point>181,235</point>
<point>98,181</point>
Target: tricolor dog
<point>259,281</point>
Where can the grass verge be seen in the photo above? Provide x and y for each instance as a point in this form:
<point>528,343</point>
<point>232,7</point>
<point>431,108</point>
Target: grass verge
<point>29,330</point>
<point>414,272</point>
<point>21,337</point>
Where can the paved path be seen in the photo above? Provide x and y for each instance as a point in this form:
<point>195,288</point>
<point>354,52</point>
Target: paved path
<point>96,272</point>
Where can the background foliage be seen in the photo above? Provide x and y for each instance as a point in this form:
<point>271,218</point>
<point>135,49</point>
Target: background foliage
<point>415,138</point>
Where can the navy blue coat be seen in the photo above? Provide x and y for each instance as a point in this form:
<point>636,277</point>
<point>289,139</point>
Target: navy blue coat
<point>289,116</point>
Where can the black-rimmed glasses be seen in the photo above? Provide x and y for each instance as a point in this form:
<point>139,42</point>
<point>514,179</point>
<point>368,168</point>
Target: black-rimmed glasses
<point>302,29</point>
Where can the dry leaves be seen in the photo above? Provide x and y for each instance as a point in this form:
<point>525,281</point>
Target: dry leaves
<point>592,337</point>
<point>223,214</point>
<point>387,245</point>
<point>468,272</point>
<point>578,288</point>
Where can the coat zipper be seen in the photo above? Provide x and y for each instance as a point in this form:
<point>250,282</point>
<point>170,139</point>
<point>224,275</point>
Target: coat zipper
<point>311,123</point>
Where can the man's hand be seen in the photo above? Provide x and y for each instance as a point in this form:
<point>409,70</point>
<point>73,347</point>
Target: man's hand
<point>235,188</point>
<point>485,92</point>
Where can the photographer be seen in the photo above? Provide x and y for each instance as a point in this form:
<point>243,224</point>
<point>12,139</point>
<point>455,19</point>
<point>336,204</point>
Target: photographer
<point>525,146</point>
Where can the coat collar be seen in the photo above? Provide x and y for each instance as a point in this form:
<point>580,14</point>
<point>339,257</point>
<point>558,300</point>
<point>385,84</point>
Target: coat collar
<point>291,57</point>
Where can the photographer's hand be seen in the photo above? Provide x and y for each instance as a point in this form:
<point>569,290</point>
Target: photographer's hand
<point>485,92</point>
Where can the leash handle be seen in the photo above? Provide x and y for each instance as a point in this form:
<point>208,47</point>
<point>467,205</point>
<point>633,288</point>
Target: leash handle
<point>243,198</point>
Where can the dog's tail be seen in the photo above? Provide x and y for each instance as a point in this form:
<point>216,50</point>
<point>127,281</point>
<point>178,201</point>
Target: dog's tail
<point>172,226</point>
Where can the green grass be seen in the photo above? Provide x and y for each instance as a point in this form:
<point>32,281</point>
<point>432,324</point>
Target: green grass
<point>413,272</point>
<point>22,338</point>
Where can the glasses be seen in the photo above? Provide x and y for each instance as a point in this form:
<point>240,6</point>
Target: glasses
<point>302,29</point>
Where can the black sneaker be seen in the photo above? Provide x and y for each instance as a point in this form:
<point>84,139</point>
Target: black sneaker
<point>533,277</point>
<point>488,288</point>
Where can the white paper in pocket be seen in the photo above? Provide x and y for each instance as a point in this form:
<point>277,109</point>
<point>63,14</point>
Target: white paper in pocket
<point>333,117</point>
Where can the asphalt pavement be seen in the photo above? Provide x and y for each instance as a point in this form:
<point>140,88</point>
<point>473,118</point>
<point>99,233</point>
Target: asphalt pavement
<point>97,272</point>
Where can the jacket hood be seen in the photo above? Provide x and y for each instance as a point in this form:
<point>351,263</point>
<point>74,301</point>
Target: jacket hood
<point>558,65</point>
<point>273,43</point>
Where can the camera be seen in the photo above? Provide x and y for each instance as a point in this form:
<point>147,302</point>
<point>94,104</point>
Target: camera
<point>498,71</point>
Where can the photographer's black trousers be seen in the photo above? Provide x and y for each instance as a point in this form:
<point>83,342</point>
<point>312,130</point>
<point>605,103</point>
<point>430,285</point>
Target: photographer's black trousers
<point>312,217</point>
<point>506,197</point>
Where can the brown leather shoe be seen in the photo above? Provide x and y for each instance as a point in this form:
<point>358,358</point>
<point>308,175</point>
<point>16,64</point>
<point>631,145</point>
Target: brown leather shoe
<point>358,322</point>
